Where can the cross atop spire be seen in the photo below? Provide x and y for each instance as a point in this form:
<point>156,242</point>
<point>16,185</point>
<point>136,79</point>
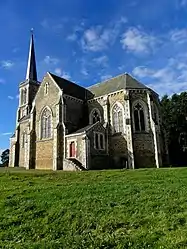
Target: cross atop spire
<point>31,66</point>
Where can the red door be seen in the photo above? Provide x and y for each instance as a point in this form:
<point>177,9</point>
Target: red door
<point>72,149</point>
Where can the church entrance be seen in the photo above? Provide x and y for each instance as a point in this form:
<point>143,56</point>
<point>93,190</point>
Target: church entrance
<point>72,149</point>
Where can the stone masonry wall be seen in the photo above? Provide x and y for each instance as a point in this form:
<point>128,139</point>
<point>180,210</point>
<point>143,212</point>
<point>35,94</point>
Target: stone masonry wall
<point>79,148</point>
<point>44,154</point>
<point>44,149</point>
<point>118,143</point>
<point>23,149</point>
<point>98,158</point>
<point>143,150</point>
<point>143,142</point>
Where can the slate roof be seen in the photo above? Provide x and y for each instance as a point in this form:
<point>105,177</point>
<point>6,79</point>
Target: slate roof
<point>31,67</point>
<point>70,88</point>
<point>123,81</point>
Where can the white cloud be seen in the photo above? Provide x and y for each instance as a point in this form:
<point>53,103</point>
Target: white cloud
<point>72,37</point>
<point>142,72</point>
<point>77,29</point>
<point>133,3</point>
<point>6,134</point>
<point>62,74</point>
<point>169,88</point>
<point>179,35</point>
<point>138,41</point>
<point>45,24</point>
<point>94,40</point>
<point>167,80</point>
<point>102,60</point>
<point>66,75</point>
<point>15,50</point>
<point>7,64</point>
<point>51,60</point>
<point>183,3</point>
<point>58,71</point>
<point>2,81</point>
<point>121,68</point>
<point>84,71</point>
<point>165,74</point>
<point>10,97</point>
<point>106,77</point>
<point>99,38</point>
<point>123,19</point>
<point>53,25</point>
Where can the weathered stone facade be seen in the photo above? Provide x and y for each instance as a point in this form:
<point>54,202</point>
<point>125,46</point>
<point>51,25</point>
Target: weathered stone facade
<point>61,125</point>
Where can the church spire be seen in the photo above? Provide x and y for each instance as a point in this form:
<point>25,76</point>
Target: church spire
<point>31,67</point>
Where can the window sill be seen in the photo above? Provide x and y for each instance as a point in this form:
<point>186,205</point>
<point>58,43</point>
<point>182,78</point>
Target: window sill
<point>99,149</point>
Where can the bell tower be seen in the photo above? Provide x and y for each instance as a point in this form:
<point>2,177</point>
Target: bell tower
<point>29,87</point>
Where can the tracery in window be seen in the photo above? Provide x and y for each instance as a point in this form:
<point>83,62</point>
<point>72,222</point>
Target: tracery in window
<point>139,118</point>
<point>46,119</point>
<point>95,117</point>
<point>117,117</point>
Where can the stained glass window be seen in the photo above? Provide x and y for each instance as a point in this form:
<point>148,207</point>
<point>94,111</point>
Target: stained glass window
<point>46,120</point>
<point>139,118</point>
<point>117,115</point>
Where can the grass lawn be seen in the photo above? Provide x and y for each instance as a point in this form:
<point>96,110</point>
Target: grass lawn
<point>98,209</point>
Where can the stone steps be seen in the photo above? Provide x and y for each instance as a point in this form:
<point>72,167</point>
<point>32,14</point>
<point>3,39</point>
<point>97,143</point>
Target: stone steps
<point>69,165</point>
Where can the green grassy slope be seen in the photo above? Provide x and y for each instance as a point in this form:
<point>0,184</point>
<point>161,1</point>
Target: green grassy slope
<point>99,209</point>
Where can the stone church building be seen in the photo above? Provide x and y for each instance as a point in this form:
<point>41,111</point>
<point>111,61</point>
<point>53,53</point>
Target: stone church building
<point>61,125</point>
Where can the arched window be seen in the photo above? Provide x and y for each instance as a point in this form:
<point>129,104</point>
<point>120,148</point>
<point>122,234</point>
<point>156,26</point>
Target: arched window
<point>95,116</point>
<point>117,118</point>
<point>23,96</point>
<point>46,88</point>
<point>139,118</point>
<point>46,119</point>
<point>99,141</point>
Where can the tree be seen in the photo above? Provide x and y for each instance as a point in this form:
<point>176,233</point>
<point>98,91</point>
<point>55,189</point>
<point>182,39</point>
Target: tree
<point>174,115</point>
<point>5,157</point>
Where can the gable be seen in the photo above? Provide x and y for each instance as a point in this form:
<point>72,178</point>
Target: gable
<point>49,99</point>
<point>97,127</point>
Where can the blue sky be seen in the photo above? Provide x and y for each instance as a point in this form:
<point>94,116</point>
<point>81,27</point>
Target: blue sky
<point>89,41</point>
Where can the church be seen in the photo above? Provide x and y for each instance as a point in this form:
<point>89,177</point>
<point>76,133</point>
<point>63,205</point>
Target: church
<point>63,126</point>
